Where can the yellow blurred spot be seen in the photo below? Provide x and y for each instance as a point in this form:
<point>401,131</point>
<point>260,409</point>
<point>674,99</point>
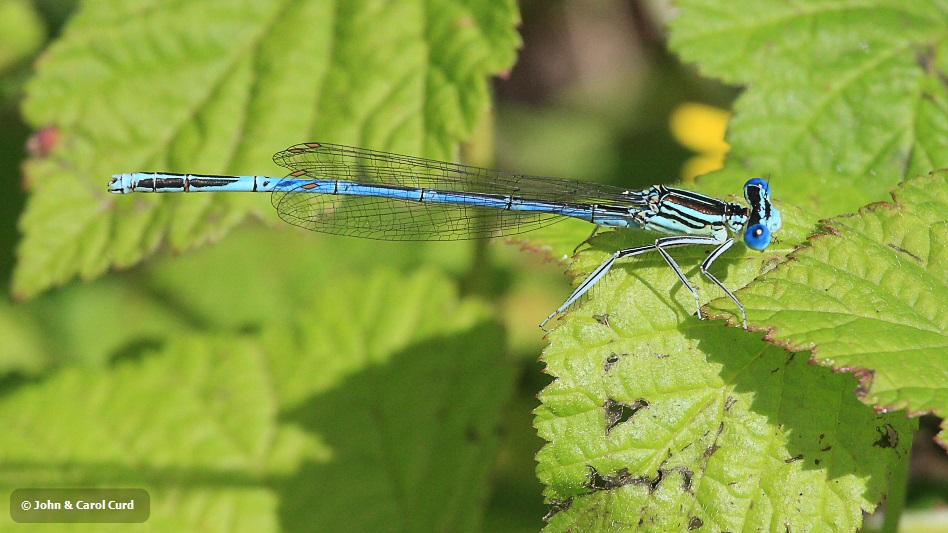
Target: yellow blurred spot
<point>701,128</point>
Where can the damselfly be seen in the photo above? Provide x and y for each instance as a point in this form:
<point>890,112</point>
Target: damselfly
<point>352,191</point>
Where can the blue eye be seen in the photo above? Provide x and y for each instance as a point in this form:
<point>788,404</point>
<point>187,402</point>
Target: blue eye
<point>757,237</point>
<point>759,183</point>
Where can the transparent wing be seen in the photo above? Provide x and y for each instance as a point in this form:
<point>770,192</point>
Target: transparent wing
<point>387,218</point>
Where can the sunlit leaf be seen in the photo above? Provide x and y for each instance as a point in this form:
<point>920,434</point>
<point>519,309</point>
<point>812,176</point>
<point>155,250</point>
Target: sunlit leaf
<point>656,426</point>
<point>844,96</point>
<point>217,87</point>
<point>868,296</point>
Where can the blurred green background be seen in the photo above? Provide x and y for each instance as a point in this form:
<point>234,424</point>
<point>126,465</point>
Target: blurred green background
<point>594,95</point>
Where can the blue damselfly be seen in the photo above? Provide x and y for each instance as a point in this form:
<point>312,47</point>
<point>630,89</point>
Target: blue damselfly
<point>364,193</point>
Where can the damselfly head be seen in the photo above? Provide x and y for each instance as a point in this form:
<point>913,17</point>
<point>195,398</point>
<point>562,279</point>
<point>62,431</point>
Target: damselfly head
<point>764,219</point>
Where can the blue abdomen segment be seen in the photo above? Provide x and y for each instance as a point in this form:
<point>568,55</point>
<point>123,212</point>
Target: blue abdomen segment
<point>434,196</point>
<point>165,182</point>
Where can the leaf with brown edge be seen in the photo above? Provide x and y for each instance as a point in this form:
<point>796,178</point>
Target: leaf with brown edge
<point>868,296</point>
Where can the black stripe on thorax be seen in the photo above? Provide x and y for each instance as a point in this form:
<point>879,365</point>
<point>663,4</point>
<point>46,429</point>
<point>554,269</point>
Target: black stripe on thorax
<point>697,202</point>
<point>678,213</point>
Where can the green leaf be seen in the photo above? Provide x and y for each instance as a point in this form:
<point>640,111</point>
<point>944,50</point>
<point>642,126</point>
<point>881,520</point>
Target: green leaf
<point>217,87</point>
<point>379,411</point>
<point>194,424</point>
<point>358,322</point>
<point>868,296</point>
<point>413,441</point>
<point>83,324</point>
<point>21,31</point>
<point>279,272</point>
<point>665,428</point>
<point>406,387</point>
<point>841,97</point>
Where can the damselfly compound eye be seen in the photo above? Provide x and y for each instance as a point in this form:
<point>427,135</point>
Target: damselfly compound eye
<point>757,237</point>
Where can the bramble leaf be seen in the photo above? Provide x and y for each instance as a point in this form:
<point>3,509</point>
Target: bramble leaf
<point>394,398</point>
<point>842,96</point>
<point>868,296</point>
<point>217,87</point>
<point>670,428</point>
